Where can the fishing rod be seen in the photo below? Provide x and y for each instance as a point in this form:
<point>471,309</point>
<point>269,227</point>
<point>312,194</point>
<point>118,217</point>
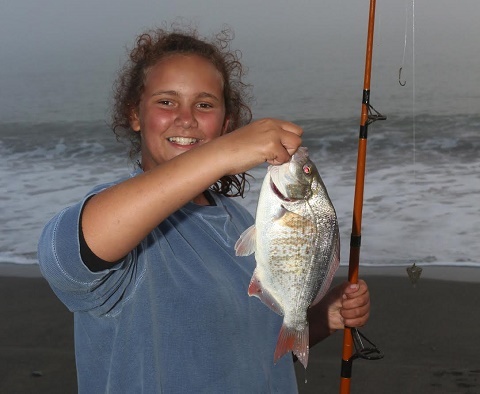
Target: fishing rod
<point>352,338</point>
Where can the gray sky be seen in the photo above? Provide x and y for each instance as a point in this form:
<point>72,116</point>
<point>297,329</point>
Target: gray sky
<point>92,35</point>
<point>52,25</point>
<point>33,27</point>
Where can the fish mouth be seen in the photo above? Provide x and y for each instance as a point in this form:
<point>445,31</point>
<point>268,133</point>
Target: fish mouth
<point>301,155</point>
<point>185,141</point>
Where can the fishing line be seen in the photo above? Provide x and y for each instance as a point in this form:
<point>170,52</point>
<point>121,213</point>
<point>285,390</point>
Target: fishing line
<point>404,82</point>
<point>413,98</point>
<point>404,49</point>
<point>413,271</point>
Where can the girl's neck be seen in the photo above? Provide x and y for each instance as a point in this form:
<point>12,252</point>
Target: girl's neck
<point>204,199</point>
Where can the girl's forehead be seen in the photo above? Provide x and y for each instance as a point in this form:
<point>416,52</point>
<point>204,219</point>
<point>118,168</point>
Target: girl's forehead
<point>188,66</point>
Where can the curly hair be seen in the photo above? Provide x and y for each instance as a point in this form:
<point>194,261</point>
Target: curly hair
<point>153,46</point>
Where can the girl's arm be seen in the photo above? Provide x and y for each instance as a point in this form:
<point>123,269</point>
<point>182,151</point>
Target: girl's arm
<point>117,219</point>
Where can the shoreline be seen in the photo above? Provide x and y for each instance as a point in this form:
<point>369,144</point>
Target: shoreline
<point>429,271</point>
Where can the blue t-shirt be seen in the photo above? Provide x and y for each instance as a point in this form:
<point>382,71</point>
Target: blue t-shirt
<point>174,316</point>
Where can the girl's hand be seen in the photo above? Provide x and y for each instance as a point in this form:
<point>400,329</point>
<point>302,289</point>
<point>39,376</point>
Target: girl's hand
<point>351,307</point>
<point>267,140</point>
<point>344,305</point>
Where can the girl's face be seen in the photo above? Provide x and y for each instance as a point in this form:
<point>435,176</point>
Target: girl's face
<point>181,107</point>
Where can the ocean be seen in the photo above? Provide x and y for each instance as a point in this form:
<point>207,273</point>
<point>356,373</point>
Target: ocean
<point>422,179</point>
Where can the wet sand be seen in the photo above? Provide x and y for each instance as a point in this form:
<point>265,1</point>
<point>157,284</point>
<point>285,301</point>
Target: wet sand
<point>428,334</point>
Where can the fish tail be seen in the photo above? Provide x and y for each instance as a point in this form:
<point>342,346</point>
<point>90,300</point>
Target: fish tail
<point>293,340</point>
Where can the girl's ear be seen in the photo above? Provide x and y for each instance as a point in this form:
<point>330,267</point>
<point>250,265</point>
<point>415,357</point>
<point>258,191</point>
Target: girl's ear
<point>226,123</point>
<point>134,120</point>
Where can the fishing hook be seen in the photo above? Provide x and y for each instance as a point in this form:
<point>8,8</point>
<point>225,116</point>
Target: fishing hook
<point>400,77</point>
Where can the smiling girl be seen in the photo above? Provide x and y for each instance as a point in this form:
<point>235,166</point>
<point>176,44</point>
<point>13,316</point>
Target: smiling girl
<point>147,263</point>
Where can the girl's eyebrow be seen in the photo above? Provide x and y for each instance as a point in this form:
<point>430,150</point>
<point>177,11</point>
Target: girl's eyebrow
<point>166,92</point>
<point>175,93</point>
<point>208,95</point>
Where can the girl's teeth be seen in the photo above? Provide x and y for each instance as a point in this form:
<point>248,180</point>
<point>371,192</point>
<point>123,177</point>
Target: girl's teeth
<point>183,140</point>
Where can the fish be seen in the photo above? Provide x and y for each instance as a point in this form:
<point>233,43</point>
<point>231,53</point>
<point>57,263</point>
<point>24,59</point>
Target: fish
<point>296,243</point>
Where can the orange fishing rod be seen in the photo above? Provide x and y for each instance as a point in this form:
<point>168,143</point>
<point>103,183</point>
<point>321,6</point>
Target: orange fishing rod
<point>352,336</point>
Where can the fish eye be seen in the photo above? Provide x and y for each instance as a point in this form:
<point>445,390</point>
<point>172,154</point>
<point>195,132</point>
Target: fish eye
<point>307,169</point>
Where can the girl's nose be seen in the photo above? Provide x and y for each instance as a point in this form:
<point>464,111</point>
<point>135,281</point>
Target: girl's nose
<point>186,119</point>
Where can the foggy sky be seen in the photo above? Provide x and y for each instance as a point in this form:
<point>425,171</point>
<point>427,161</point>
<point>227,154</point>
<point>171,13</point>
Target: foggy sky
<point>91,37</point>
<point>31,28</point>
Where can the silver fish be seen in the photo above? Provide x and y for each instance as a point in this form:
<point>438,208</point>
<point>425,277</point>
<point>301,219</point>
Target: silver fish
<point>296,243</point>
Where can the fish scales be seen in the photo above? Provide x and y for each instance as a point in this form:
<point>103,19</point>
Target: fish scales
<point>296,244</point>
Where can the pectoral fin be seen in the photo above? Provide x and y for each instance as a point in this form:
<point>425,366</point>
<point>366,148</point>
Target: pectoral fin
<point>246,244</point>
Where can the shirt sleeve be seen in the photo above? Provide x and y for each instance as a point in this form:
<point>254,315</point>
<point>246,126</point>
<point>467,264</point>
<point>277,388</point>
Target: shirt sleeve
<point>79,288</point>
<point>89,258</point>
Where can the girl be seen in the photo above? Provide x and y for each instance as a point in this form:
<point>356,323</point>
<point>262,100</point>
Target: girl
<point>147,263</point>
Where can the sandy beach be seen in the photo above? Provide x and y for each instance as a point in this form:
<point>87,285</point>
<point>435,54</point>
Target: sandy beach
<point>428,334</point>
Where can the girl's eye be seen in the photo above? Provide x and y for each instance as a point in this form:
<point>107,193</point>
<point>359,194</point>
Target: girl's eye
<point>205,105</point>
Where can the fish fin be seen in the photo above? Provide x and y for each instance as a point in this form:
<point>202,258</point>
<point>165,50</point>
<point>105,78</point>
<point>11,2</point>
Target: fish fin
<point>246,244</point>
<point>255,289</point>
<point>295,341</point>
